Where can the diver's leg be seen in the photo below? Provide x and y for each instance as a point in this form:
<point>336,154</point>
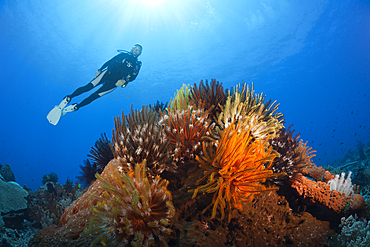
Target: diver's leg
<point>106,88</point>
<point>95,82</point>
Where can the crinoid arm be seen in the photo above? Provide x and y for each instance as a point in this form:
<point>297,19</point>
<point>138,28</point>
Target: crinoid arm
<point>235,171</point>
<point>132,209</point>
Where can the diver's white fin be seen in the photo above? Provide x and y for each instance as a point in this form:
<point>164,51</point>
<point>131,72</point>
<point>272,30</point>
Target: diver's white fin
<point>54,115</point>
<point>58,111</point>
<point>69,108</point>
<point>64,102</point>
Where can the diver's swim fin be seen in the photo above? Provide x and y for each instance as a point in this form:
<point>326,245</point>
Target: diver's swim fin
<point>55,114</point>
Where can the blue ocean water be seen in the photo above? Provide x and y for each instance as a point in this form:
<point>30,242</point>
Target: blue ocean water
<point>312,57</point>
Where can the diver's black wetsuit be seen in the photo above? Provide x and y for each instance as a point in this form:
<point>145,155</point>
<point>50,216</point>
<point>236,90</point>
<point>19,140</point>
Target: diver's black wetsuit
<point>123,66</point>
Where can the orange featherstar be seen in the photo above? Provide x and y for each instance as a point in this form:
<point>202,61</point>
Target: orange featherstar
<point>235,170</point>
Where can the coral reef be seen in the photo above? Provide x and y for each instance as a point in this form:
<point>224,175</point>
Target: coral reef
<point>52,177</point>
<point>268,220</point>
<point>48,203</point>
<point>12,197</point>
<point>317,192</point>
<point>210,170</point>
<point>342,184</point>
<point>355,232</point>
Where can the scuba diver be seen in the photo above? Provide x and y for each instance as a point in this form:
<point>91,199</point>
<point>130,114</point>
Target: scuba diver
<point>117,72</point>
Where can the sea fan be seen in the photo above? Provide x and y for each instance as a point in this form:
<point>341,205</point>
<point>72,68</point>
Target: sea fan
<point>133,209</point>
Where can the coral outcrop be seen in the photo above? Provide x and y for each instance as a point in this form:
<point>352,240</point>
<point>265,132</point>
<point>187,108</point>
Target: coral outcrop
<point>12,197</point>
<point>179,173</point>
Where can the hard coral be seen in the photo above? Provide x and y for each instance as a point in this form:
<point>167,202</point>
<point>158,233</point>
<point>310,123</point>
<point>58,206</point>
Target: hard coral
<point>234,171</point>
<point>141,137</point>
<point>132,210</point>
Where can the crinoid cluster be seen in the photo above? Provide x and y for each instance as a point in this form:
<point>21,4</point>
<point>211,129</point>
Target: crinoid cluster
<point>247,110</point>
<point>294,154</point>
<point>159,106</point>
<point>141,137</point>
<point>101,153</point>
<point>132,210</point>
<point>207,96</point>
<point>185,130</point>
<point>181,99</point>
<point>235,170</point>
<point>87,173</point>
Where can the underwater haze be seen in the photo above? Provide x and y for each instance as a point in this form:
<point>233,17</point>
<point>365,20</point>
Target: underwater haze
<point>312,57</point>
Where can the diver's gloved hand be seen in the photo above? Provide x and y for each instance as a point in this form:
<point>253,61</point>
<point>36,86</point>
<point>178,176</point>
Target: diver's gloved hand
<point>97,73</point>
<point>121,83</point>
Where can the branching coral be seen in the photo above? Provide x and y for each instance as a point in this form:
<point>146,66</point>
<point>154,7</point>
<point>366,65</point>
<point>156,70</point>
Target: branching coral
<point>185,130</point>
<point>205,96</point>
<point>248,111</point>
<point>235,170</point>
<point>294,154</point>
<point>141,137</point>
<point>132,210</point>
